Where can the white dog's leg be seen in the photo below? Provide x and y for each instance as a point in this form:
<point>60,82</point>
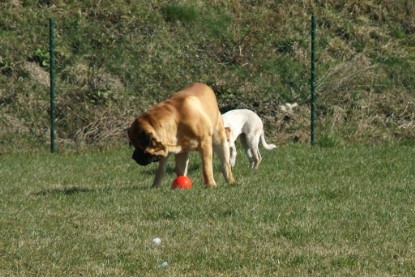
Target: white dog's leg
<point>259,159</point>
<point>223,152</point>
<point>253,142</point>
<point>244,141</point>
<point>233,153</point>
<point>250,157</point>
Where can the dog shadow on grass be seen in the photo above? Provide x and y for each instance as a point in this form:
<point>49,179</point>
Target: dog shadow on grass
<point>79,189</point>
<point>63,191</point>
<point>73,190</point>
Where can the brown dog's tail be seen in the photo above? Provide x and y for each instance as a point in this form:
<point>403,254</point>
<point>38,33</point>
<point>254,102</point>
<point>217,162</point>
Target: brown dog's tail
<point>265,144</point>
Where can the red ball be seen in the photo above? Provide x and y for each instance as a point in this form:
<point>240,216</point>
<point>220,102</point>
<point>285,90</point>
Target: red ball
<point>182,182</point>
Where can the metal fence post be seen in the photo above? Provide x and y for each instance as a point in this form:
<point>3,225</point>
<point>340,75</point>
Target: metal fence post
<point>312,81</point>
<point>52,88</point>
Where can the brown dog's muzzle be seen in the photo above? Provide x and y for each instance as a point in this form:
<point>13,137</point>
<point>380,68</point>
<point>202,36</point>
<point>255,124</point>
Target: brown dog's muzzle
<point>143,158</point>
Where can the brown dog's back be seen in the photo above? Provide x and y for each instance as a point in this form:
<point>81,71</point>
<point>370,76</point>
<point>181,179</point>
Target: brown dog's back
<point>191,111</point>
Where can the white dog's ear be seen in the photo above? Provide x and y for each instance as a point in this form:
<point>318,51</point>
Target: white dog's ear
<point>228,133</point>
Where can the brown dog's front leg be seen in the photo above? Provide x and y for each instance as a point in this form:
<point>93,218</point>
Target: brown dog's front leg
<point>182,163</point>
<point>160,172</point>
<point>206,155</point>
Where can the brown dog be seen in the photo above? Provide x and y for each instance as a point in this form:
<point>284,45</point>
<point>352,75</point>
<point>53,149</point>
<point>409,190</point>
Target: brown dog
<point>188,121</point>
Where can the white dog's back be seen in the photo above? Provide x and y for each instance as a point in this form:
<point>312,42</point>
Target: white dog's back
<point>241,121</point>
<point>244,121</point>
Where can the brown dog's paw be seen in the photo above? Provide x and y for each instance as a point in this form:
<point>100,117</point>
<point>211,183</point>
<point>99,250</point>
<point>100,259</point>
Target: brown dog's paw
<point>210,186</point>
<point>236,183</point>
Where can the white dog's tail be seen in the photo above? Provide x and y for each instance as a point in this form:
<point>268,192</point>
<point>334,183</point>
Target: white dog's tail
<point>265,144</point>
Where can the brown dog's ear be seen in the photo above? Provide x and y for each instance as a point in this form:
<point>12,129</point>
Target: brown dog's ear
<point>127,130</point>
<point>145,139</point>
<point>156,147</point>
<point>129,133</point>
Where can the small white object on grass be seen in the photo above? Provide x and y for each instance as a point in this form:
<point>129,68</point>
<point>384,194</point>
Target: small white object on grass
<point>157,241</point>
<point>163,264</point>
<point>288,108</point>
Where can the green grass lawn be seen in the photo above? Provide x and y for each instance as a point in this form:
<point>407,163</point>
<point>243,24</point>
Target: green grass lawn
<point>345,211</point>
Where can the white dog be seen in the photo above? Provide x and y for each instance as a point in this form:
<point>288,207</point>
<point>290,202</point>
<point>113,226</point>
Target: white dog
<point>246,123</point>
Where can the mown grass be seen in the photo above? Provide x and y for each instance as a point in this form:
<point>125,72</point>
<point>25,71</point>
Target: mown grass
<point>320,212</point>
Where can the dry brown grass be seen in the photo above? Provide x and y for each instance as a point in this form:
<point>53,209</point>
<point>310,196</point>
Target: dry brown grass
<point>107,128</point>
<point>114,60</point>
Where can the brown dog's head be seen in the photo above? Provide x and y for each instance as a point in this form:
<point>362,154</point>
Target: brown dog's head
<point>147,148</point>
